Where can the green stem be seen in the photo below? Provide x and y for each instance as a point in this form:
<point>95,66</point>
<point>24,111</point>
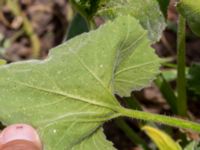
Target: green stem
<point>175,122</point>
<point>130,133</point>
<point>134,104</point>
<point>181,79</point>
<point>91,24</point>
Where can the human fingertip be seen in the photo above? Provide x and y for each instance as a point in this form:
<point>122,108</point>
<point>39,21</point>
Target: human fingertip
<point>18,136</point>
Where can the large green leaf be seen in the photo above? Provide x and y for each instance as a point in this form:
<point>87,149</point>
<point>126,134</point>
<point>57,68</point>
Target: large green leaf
<point>68,96</point>
<point>146,11</point>
<point>190,9</point>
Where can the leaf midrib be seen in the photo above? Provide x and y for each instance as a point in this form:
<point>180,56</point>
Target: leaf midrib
<point>68,95</point>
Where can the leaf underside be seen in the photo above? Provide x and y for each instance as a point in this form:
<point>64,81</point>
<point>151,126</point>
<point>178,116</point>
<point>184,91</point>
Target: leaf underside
<point>68,96</point>
<point>148,12</point>
<point>97,141</point>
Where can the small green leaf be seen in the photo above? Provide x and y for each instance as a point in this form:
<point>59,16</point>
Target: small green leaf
<point>190,9</point>
<point>148,12</point>
<point>161,139</point>
<point>193,78</point>
<point>170,74</point>
<point>68,96</point>
<point>77,26</point>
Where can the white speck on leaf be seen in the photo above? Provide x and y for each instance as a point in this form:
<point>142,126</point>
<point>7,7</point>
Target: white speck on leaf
<point>54,130</point>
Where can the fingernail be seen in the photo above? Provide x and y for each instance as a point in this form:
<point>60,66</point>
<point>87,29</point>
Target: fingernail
<point>19,145</point>
<point>20,133</point>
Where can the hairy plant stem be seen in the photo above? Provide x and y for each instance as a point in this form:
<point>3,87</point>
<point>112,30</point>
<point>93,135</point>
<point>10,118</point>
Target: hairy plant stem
<point>171,121</point>
<point>181,78</point>
<point>128,131</point>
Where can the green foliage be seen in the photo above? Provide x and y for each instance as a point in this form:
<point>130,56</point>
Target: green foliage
<point>190,9</point>
<point>167,92</point>
<point>147,12</point>
<point>161,139</point>
<point>164,6</point>
<point>193,78</point>
<point>194,145</point>
<point>68,96</point>
<point>77,26</point>
<point>87,8</point>
<point>169,74</point>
